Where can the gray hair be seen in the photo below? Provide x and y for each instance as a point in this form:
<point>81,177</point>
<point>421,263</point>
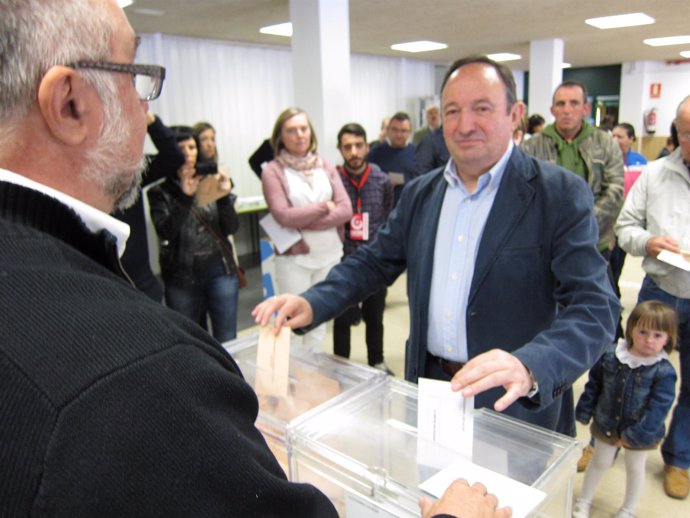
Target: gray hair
<point>38,34</point>
<point>502,70</point>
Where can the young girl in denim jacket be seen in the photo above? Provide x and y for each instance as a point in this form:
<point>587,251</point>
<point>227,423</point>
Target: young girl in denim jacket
<point>628,395</point>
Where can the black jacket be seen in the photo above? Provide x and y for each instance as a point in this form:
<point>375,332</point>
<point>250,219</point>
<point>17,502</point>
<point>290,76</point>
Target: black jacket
<point>136,257</point>
<point>179,230</point>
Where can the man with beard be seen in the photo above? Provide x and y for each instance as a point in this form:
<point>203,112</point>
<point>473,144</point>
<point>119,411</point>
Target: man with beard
<point>371,193</point>
<point>110,404</point>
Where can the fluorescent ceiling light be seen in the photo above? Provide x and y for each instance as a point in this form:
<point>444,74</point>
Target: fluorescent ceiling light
<point>685,53</point>
<point>124,3</point>
<point>620,20</point>
<point>504,56</point>
<point>566,65</point>
<point>670,40</point>
<point>419,46</point>
<point>280,29</point>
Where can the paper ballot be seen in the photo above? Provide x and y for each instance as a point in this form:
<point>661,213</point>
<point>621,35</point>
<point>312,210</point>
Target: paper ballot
<point>676,260</point>
<point>273,362</point>
<point>444,416</point>
<point>282,237</point>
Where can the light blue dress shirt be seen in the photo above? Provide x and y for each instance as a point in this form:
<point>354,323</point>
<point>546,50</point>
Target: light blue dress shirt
<point>460,228</point>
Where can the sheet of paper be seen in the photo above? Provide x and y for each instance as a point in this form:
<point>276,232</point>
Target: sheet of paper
<point>283,238</point>
<point>445,417</point>
<point>522,498</point>
<point>676,260</point>
<point>273,363</point>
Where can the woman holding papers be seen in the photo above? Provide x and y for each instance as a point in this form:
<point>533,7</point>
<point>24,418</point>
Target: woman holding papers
<point>303,192</point>
<point>193,213</point>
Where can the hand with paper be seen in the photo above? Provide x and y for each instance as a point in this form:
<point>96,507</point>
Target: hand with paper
<point>462,500</point>
<point>657,244</point>
<point>293,312</point>
<point>494,368</point>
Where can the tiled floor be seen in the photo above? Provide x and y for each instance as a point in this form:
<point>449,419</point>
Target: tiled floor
<point>609,495</point>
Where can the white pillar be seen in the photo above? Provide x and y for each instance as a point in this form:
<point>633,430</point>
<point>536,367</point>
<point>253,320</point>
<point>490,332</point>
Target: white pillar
<point>545,74</point>
<point>633,96</point>
<point>519,76</point>
<point>321,67</point>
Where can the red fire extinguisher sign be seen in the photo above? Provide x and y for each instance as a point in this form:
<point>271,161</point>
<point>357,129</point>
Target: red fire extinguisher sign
<point>655,90</point>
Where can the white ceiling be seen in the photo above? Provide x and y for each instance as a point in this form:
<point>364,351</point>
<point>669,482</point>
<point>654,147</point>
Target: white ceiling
<point>467,26</point>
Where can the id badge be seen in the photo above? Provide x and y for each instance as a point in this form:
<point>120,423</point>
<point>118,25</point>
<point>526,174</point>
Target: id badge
<point>359,226</point>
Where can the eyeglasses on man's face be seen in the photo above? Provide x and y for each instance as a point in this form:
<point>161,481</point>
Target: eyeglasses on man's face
<point>147,79</point>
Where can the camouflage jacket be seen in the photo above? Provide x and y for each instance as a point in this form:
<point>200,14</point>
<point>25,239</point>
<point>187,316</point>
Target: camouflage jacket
<point>604,162</point>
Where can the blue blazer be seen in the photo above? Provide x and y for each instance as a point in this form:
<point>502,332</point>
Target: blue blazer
<point>540,288</point>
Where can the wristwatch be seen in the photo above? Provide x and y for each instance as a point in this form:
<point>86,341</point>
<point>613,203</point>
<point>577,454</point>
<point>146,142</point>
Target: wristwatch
<point>535,386</point>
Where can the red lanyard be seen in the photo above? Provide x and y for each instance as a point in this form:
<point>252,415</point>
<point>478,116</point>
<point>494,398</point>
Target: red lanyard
<point>358,185</point>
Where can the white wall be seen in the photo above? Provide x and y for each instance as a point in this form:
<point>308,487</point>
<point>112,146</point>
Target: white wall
<point>241,89</point>
<point>636,78</point>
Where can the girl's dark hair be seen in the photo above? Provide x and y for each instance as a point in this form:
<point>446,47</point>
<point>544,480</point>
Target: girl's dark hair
<point>534,122</point>
<point>183,133</point>
<point>629,129</point>
<point>654,314</point>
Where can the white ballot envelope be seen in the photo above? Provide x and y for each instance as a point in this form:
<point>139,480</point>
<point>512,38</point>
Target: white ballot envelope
<point>676,260</point>
<point>445,418</point>
<point>283,238</point>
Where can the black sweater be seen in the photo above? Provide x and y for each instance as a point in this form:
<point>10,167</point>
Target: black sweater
<point>112,405</point>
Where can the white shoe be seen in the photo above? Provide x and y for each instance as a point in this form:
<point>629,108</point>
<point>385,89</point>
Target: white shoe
<point>624,513</point>
<point>582,508</point>
<point>383,367</point>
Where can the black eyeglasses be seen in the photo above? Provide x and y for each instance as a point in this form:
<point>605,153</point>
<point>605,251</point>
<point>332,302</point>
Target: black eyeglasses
<point>147,79</point>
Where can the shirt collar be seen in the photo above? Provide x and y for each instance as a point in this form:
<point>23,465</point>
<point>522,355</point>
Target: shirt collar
<point>94,219</point>
<point>625,356</point>
<point>492,177</point>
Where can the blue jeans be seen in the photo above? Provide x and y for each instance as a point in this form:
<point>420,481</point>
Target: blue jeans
<point>217,292</point>
<point>676,446</point>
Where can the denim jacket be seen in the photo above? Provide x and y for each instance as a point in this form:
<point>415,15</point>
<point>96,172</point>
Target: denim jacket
<point>628,403</point>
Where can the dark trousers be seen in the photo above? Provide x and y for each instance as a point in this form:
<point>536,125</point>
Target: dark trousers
<point>372,314</point>
<point>615,267</point>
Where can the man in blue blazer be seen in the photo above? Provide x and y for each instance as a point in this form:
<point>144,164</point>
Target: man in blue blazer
<point>509,297</point>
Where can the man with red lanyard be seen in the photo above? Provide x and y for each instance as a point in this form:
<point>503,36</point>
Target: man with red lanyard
<point>371,193</point>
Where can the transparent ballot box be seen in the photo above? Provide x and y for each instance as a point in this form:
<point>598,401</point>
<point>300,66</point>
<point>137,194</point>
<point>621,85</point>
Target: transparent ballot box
<point>364,453</point>
<point>314,378</point>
